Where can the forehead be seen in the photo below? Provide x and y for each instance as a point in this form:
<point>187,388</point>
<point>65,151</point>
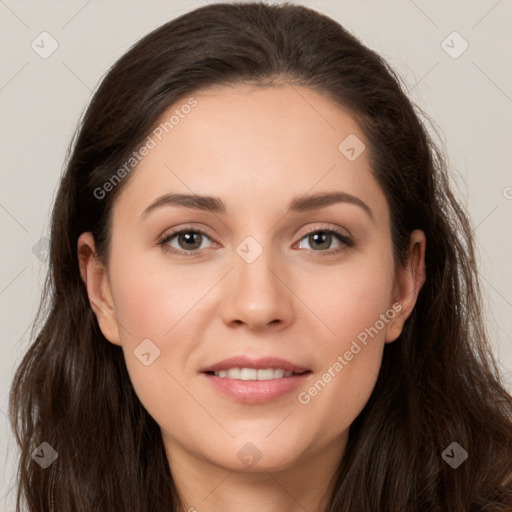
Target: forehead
<point>253,146</point>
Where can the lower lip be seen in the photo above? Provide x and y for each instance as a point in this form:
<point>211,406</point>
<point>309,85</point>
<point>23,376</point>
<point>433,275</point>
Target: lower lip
<point>256,391</point>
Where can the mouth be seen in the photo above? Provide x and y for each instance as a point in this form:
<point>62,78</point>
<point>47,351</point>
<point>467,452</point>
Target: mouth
<point>250,381</point>
<point>251,374</point>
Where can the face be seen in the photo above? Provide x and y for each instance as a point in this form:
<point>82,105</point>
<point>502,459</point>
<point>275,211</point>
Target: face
<point>263,277</point>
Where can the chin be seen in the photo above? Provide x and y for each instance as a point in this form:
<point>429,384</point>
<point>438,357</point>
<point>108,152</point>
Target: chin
<point>254,454</point>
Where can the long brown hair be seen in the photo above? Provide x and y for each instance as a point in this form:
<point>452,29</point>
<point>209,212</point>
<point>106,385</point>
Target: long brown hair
<point>439,382</point>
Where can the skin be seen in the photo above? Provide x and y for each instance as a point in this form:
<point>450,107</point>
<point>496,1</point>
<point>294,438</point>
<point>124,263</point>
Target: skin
<point>256,149</point>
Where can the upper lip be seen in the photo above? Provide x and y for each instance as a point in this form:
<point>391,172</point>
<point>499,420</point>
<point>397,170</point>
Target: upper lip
<point>258,364</point>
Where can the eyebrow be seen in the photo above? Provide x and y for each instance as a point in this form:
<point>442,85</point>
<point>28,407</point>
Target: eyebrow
<point>216,205</point>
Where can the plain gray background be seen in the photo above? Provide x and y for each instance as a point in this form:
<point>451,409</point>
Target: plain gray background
<point>468,94</point>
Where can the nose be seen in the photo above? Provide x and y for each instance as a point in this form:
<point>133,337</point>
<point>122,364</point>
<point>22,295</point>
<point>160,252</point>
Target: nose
<point>257,294</point>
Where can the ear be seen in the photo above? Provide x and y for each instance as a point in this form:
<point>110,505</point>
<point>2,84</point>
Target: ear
<point>408,282</point>
<point>95,278</point>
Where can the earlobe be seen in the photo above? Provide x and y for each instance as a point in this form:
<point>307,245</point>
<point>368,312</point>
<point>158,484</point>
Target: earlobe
<point>408,283</point>
<point>95,278</point>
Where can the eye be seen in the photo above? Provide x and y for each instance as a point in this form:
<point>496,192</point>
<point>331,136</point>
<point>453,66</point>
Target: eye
<point>323,238</point>
<point>190,239</point>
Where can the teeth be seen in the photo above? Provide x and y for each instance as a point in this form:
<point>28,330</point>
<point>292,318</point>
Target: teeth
<point>233,373</point>
<point>266,374</point>
<point>253,374</point>
<point>248,374</point>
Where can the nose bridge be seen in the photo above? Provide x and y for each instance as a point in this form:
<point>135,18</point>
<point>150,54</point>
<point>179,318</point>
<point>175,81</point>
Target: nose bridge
<point>254,266</point>
<point>258,295</point>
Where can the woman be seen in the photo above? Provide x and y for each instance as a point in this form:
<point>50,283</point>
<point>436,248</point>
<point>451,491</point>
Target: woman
<point>198,349</point>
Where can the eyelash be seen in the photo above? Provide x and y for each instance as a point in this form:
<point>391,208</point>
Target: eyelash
<point>338,234</point>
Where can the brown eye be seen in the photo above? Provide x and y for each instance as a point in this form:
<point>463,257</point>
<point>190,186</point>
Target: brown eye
<point>321,240</point>
<point>188,241</point>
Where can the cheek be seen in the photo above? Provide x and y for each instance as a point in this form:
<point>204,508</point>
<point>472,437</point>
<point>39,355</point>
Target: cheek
<point>152,299</point>
<point>355,307</point>
<point>157,304</point>
<point>349,298</point>
<point>160,303</point>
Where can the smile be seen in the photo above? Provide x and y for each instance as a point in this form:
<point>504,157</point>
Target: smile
<point>246,386</point>
<point>253,373</point>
